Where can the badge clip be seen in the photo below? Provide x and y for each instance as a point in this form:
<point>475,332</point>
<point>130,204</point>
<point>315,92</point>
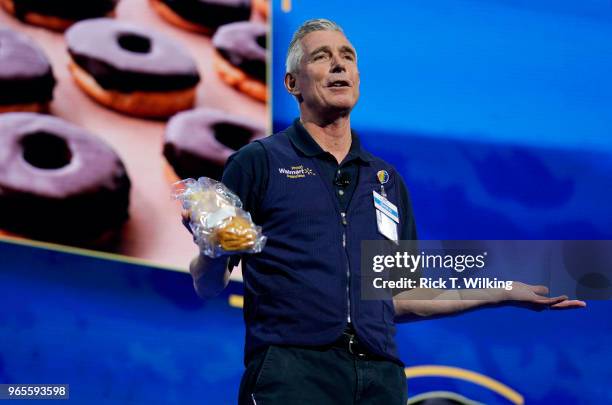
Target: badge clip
<point>383,178</point>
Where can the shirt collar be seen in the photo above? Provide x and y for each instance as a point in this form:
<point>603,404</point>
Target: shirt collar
<point>306,144</point>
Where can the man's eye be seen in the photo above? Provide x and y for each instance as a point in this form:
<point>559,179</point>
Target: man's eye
<point>319,56</point>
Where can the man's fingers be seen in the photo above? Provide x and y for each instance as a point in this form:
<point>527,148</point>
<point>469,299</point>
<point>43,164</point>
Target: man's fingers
<point>569,304</point>
<point>186,219</point>
<point>552,300</point>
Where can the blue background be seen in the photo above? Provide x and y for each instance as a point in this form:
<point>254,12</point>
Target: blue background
<point>497,114</point>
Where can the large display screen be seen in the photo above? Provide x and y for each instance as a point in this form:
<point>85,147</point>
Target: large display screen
<point>120,107</point>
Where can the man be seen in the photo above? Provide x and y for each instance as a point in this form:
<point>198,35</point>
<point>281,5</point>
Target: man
<point>310,338</point>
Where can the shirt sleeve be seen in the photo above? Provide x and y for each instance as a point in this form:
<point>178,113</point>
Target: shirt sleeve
<point>246,174</point>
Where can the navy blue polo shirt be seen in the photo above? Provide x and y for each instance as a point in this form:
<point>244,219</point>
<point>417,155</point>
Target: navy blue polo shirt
<point>246,173</point>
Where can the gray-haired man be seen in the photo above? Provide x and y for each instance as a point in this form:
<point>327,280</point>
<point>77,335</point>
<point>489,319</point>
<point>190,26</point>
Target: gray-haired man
<point>310,338</point>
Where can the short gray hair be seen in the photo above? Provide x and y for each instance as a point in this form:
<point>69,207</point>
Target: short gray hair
<point>295,52</point>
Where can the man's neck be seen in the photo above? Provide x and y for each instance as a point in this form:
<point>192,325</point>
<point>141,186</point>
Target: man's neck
<point>333,137</point>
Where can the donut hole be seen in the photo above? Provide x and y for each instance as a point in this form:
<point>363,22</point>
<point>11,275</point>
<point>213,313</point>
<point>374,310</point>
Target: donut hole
<point>45,151</point>
<point>134,43</point>
<point>231,135</point>
<point>261,40</point>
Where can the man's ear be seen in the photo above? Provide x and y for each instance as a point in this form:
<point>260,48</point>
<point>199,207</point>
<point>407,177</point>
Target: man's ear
<point>291,84</point>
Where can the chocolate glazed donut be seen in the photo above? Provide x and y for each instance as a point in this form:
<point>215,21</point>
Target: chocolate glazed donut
<point>198,142</point>
<point>58,14</point>
<point>203,16</point>
<point>240,57</point>
<point>131,69</point>
<point>58,182</point>
<point>26,77</point>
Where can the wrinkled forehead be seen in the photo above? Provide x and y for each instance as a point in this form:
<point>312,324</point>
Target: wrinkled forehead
<point>333,40</point>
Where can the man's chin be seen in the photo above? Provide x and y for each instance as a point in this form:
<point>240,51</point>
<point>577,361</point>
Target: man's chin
<point>342,104</point>
<point>335,111</point>
<point>332,108</point>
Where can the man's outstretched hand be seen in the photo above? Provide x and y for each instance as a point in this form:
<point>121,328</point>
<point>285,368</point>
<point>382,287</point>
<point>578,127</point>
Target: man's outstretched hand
<point>425,302</point>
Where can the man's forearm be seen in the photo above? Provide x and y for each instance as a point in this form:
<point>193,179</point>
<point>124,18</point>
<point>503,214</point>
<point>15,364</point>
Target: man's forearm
<point>210,276</point>
<point>423,302</point>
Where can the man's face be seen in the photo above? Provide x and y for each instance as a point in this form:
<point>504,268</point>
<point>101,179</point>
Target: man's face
<point>328,79</point>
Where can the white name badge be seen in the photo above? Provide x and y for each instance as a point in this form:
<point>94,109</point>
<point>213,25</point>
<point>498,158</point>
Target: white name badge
<point>387,217</point>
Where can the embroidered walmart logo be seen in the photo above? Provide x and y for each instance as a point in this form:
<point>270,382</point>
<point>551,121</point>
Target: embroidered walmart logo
<point>296,172</point>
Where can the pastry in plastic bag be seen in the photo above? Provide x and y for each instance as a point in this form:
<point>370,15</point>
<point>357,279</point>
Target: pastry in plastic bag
<point>217,220</point>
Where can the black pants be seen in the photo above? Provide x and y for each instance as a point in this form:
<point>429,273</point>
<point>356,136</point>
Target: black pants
<point>287,375</point>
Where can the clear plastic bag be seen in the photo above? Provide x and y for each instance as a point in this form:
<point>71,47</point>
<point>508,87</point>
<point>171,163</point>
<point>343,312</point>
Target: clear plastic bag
<point>218,222</point>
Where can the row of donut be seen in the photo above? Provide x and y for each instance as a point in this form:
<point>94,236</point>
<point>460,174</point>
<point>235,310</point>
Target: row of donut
<point>61,183</point>
<point>203,16</point>
<point>129,68</point>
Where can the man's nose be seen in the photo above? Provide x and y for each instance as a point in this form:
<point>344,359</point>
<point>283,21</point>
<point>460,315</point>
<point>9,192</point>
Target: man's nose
<point>337,65</point>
